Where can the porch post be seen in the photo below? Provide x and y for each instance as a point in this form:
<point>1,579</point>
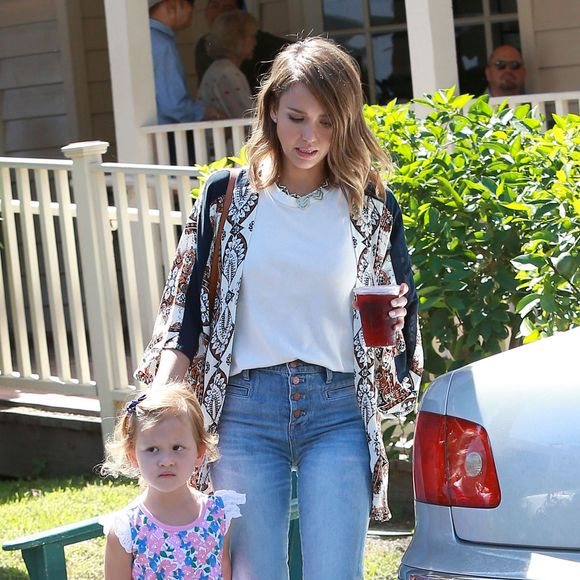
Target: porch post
<point>99,281</point>
<point>132,81</point>
<point>431,45</point>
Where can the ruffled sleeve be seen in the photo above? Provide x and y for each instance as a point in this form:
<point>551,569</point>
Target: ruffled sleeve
<point>119,523</point>
<point>232,500</point>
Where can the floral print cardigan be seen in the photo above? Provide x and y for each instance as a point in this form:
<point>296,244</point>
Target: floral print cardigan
<point>386,378</point>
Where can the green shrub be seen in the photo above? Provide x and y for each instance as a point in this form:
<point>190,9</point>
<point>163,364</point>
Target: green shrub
<point>491,208</point>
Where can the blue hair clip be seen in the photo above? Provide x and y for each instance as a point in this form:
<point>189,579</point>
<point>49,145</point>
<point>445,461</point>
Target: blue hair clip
<point>130,408</point>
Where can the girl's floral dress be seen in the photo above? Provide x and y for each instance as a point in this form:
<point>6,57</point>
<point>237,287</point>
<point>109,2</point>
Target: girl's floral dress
<point>161,551</point>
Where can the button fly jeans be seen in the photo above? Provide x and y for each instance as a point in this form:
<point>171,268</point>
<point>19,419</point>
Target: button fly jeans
<point>303,417</point>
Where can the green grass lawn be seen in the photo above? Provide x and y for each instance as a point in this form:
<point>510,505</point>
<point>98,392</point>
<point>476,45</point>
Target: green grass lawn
<point>31,506</point>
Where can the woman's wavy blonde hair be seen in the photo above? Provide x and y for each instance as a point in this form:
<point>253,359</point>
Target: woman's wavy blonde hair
<point>333,77</point>
<point>173,399</point>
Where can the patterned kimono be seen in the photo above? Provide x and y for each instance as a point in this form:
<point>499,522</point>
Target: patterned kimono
<point>386,378</point>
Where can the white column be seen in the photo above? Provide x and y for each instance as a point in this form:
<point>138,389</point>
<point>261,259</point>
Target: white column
<point>131,65</point>
<point>431,45</point>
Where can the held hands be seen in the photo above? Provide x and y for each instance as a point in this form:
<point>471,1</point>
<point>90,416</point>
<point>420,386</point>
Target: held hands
<point>398,311</point>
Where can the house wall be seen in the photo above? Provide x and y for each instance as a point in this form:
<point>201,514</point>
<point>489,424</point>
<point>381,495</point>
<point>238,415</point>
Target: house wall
<point>556,34</point>
<point>32,82</point>
<point>93,46</point>
<point>274,17</point>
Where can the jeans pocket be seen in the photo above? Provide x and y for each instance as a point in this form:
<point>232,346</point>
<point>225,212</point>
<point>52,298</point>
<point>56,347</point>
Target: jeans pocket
<point>239,387</point>
<point>340,390</point>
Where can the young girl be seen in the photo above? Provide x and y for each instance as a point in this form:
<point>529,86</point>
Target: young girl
<point>171,530</point>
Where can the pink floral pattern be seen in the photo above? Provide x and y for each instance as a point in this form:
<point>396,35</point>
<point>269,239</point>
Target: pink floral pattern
<point>170,552</point>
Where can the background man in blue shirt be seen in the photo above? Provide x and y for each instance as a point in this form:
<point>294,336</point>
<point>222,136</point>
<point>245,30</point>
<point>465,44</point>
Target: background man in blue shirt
<point>174,105</point>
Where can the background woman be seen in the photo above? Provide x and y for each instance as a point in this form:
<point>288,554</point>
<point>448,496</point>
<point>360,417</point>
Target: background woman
<point>231,40</point>
<point>279,361</point>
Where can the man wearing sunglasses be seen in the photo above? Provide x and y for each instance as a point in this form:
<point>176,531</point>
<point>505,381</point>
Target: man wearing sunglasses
<point>505,72</point>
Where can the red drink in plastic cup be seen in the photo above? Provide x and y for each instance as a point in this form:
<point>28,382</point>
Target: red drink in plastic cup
<point>374,304</point>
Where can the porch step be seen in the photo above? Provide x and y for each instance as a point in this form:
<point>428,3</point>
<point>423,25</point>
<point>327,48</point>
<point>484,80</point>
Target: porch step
<point>49,402</point>
<point>48,441</point>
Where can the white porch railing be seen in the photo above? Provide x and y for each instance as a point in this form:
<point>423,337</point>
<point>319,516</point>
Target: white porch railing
<point>545,104</point>
<point>211,140</point>
<point>189,143</point>
<point>86,246</point>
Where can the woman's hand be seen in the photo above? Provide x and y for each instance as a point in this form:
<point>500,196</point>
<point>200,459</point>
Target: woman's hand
<point>398,307</point>
<point>172,367</point>
<point>398,304</point>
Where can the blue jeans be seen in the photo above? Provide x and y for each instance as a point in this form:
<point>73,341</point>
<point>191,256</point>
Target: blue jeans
<point>303,417</point>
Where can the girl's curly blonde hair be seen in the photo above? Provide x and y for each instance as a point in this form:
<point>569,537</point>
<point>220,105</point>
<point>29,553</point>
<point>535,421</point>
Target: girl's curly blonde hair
<point>173,399</point>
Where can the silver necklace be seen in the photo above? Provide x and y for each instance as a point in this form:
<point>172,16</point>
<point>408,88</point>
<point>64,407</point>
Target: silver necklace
<point>303,201</point>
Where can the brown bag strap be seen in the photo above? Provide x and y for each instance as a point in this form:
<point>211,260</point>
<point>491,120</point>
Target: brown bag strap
<point>215,260</point>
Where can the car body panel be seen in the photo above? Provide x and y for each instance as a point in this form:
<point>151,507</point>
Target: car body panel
<point>436,547</point>
<point>528,400</point>
<point>435,398</point>
<point>533,424</point>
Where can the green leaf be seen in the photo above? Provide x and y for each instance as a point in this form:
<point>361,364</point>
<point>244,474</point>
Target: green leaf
<point>426,290</point>
<point>526,304</point>
<point>532,336</point>
<point>516,145</point>
<point>490,203</point>
<point>457,275</point>
<point>449,189</point>
<point>517,206</point>
<point>548,303</point>
<point>527,262</point>
<point>489,184</point>
<point>456,303</point>
<point>431,302</point>
<point>460,101</point>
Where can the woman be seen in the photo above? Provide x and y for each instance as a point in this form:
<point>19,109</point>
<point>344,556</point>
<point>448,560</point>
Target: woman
<point>283,372</point>
<point>230,42</point>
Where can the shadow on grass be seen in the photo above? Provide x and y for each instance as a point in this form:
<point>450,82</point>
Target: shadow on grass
<point>16,489</point>
<point>11,573</point>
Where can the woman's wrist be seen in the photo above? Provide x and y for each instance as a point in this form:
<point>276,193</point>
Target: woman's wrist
<point>172,367</point>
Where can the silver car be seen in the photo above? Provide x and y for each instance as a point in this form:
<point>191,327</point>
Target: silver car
<point>497,468</point>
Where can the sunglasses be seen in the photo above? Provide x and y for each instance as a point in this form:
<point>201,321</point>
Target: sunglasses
<point>511,64</point>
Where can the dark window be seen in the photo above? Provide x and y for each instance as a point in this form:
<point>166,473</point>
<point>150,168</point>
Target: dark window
<point>340,15</point>
<point>392,67</point>
<point>503,6</point>
<point>467,8</point>
<point>387,12</point>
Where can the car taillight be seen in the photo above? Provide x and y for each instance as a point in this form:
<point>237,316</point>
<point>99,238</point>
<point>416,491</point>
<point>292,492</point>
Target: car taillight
<point>453,464</point>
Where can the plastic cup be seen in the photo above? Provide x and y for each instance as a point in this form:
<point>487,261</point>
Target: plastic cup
<point>374,304</point>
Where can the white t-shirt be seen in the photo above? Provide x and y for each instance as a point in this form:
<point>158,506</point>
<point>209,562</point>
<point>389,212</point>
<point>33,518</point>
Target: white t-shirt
<point>296,293</point>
